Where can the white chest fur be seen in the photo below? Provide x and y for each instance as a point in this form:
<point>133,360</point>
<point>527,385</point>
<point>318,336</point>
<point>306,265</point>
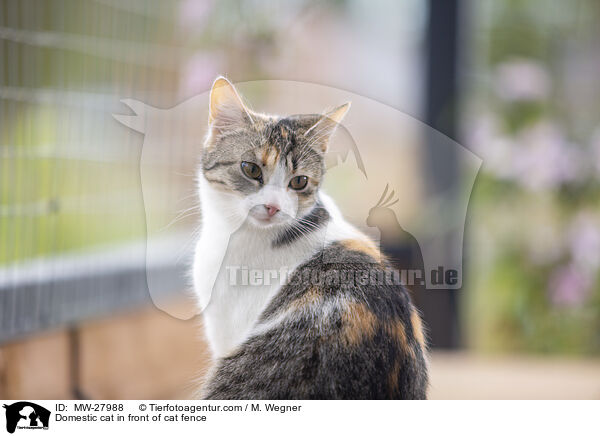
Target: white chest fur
<point>248,277</point>
<point>237,270</point>
<point>236,273</point>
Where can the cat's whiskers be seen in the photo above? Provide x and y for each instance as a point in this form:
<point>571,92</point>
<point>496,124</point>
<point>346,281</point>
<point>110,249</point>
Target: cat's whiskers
<point>194,210</point>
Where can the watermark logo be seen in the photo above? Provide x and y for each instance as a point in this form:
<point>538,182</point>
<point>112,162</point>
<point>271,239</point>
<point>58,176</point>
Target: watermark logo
<point>25,415</point>
<point>305,276</point>
<point>374,175</point>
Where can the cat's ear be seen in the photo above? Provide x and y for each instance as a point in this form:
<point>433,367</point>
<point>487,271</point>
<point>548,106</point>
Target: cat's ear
<point>226,106</point>
<point>321,131</point>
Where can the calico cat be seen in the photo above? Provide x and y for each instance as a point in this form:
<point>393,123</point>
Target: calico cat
<point>291,295</point>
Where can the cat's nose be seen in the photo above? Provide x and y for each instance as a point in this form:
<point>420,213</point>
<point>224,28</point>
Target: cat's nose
<point>271,209</point>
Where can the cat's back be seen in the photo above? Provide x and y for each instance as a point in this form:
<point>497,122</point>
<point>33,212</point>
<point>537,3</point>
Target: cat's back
<point>342,327</point>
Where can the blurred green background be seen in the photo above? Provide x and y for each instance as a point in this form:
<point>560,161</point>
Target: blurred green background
<point>531,113</point>
<point>529,108</point>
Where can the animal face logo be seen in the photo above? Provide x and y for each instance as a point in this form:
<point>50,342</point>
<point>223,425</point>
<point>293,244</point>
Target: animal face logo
<point>376,146</point>
<point>26,415</point>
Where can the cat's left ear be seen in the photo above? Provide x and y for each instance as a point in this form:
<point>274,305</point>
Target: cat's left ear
<point>321,131</point>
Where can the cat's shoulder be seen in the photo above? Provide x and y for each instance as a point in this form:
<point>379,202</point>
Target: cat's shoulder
<point>350,280</point>
<point>325,328</point>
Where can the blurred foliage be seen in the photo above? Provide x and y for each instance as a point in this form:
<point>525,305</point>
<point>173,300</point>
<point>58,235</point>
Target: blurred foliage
<point>534,283</point>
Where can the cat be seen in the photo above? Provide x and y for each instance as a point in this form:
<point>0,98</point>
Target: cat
<point>271,270</point>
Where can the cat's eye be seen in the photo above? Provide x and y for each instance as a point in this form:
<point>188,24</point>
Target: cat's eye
<point>252,170</point>
<point>298,182</point>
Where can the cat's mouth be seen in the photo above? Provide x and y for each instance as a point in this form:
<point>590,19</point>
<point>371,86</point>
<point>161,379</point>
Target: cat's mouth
<point>261,218</point>
<point>266,222</point>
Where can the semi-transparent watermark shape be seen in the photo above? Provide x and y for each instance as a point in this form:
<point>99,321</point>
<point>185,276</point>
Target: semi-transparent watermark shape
<point>375,175</point>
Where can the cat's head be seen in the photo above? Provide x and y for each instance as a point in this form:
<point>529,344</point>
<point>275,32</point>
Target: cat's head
<point>265,168</point>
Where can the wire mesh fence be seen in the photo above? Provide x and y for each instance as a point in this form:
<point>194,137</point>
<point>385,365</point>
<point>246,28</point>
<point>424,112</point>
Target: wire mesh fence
<point>71,211</point>
<point>71,199</point>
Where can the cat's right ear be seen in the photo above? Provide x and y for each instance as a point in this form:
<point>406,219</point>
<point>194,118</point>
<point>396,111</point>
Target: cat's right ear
<point>226,106</point>
<point>322,130</point>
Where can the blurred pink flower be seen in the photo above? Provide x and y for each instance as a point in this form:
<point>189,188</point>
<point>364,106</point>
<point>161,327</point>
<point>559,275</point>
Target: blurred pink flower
<point>568,287</point>
<point>584,242</point>
<point>194,12</point>
<point>521,79</point>
<point>497,150</point>
<point>199,72</point>
<point>538,158</point>
<point>544,158</point>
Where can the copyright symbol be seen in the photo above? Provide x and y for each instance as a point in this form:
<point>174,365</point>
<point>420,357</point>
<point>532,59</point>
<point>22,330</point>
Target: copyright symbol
<point>142,407</point>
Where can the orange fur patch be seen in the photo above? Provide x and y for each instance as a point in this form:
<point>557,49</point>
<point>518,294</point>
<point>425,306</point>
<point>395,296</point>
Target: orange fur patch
<point>270,156</point>
<point>363,245</point>
<point>393,378</point>
<point>397,330</point>
<point>265,155</point>
<point>358,323</point>
<point>310,297</point>
<point>417,327</point>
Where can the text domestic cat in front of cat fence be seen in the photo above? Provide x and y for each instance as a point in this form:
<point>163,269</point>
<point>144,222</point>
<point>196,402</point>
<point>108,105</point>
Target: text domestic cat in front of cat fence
<point>326,326</point>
